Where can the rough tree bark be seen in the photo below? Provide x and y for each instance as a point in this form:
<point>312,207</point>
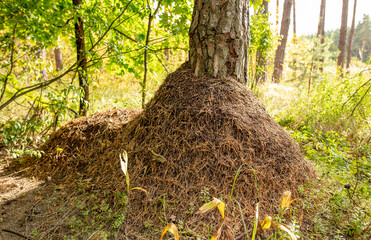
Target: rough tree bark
<point>343,36</point>
<point>261,58</point>
<point>350,40</point>
<point>219,39</point>
<point>82,63</point>
<point>280,52</point>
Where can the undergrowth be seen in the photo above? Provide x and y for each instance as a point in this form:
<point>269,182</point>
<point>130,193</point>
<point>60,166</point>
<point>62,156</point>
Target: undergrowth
<point>332,124</point>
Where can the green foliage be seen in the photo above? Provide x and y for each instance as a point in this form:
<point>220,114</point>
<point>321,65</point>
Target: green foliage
<point>331,124</point>
<point>263,41</point>
<point>22,136</point>
<point>114,51</point>
<point>307,57</point>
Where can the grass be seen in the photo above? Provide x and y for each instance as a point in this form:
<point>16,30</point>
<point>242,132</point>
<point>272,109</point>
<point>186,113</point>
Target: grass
<point>332,126</point>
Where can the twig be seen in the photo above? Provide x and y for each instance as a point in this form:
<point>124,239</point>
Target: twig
<point>364,84</point>
<point>17,234</point>
<point>359,102</point>
<point>110,26</point>
<point>123,34</point>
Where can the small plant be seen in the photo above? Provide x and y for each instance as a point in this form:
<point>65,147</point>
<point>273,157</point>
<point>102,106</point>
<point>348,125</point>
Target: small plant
<point>170,228</point>
<point>216,203</point>
<point>205,195</point>
<point>124,167</point>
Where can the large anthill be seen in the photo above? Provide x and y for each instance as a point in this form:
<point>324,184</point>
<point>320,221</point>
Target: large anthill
<point>202,125</point>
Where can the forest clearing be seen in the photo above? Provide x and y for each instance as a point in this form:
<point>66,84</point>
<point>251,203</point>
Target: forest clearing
<point>204,119</point>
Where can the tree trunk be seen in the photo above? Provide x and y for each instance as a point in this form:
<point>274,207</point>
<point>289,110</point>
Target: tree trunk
<point>294,17</point>
<point>350,40</point>
<point>321,28</point>
<point>277,12</point>
<point>219,39</point>
<point>261,57</point>
<point>58,59</point>
<point>321,23</point>
<point>343,36</point>
<point>81,63</point>
<point>280,53</point>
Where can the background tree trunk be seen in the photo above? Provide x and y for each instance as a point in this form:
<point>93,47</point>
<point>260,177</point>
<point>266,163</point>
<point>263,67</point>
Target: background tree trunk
<point>294,17</point>
<point>321,23</point>
<point>82,63</point>
<point>350,40</point>
<point>261,58</point>
<point>343,36</point>
<point>219,39</point>
<point>321,28</point>
<point>280,53</point>
<point>58,59</point>
<point>277,12</point>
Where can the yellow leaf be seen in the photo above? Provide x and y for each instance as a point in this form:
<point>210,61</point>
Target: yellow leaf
<point>171,228</point>
<point>221,207</point>
<point>285,203</point>
<point>267,222</point>
<point>291,234</point>
<point>124,161</point>
<point>207,207</point>
<point>286,200</point>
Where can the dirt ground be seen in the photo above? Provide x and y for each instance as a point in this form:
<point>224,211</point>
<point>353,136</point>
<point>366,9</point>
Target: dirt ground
<point>29,207</point>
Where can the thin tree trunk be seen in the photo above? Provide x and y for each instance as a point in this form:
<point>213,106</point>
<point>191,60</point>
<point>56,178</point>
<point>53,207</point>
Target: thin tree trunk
<point>294,17</point>
<point>321,29</point>
<point>343,36</point>
<point>82,63</point>
<point>219,40</point>
<point>277,12</point>
<point>350,40</point>
<point>144,82</point>
<point>58,59</point>
<point>280,53</point>
<point>321,23</point>
<point>261,55</point>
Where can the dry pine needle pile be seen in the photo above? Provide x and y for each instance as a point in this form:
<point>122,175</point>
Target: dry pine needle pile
<point>193,135</point>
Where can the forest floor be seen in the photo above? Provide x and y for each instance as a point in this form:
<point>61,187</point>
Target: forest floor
<point>28,205</point>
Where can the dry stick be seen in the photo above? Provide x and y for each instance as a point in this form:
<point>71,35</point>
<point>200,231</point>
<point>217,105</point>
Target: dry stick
<point>144,83</point>
<point>15,233</point>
